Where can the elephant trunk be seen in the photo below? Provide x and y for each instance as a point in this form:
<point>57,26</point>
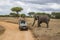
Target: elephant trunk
<point>33,23</point>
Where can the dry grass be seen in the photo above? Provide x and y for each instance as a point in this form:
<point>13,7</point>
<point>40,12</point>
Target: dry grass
<point>51,33</point>
<point>2,30</point>
<point>41,33</point>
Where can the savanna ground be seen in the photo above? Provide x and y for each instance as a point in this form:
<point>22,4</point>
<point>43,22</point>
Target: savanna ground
<point>39,33</point>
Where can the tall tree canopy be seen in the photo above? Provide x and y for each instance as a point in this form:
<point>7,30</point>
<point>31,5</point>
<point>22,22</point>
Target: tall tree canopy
<point>17,9</point>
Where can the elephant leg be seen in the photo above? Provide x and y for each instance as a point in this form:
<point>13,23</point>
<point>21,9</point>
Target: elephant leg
<point>47,24</point>
<point>39,24</point>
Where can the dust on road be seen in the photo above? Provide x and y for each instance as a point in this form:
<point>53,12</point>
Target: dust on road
<point>13,33</point>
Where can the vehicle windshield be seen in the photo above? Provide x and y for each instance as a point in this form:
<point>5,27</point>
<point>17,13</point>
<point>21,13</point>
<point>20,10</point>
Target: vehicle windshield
<point>22,21</point>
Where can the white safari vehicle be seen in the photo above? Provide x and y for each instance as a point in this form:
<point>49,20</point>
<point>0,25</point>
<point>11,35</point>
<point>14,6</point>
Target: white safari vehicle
<point>23,25</point>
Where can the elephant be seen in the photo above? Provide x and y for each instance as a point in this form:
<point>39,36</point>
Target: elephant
<point>40,19</point>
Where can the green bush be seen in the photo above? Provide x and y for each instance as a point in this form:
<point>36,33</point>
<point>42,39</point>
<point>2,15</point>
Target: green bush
<point>56,14</point>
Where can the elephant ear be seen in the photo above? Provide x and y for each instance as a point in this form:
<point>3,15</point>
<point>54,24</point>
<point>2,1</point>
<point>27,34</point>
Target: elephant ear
<point>35,18</point>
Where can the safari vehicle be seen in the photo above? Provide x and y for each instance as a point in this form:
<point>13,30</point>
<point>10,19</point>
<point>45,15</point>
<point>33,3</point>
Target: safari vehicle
<point>23,25</point>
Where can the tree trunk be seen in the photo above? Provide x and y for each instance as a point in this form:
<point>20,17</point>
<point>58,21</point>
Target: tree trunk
<point>17,14</point>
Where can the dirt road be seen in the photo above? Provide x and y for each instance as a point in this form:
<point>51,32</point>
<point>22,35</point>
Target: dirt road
<point>13,33</point>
